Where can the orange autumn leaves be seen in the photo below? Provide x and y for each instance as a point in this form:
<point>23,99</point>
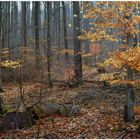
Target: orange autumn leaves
<point>123,17</point>
<point>120,60</point>
<point>129,57</point>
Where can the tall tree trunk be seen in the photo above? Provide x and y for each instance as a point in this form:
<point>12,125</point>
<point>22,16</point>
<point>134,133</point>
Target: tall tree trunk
<point>77,44</point>
<point>59,28</point>
<point>24,30</point>
<point>37,51</point>
<point>44,32</point>
<point>65,29</point>
<point>130,98</point>
<point>55,24</point>
<point>28,23</point>
<point>8,26</point>
<point>0,43</point>
<point>33,19</point>
<point>2,36</point>
<point>15,30</point>
<point>12,25</point>
<point>49,43</point>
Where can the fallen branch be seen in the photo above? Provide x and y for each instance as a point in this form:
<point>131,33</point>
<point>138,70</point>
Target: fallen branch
<point>92,81</point>
<point>122,135</point>
<point>82,136</point>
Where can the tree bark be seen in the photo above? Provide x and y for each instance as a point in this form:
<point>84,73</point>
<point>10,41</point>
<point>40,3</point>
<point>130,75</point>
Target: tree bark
<point>24,32</point>
<point>37,50</point>
<point>49,43</point>
<point>44,32</point>
<point>65,29</point>
<point>0,40</point>
<point>77,44</point>
<point>130,97</point>
<point>59,29</point>
<point>33,19</point>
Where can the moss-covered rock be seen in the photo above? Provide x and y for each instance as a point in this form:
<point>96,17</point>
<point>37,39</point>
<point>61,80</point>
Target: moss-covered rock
<point>19,120</point>
<point>59,109</point>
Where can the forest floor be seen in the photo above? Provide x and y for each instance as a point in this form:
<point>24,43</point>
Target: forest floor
<point>101,112</point>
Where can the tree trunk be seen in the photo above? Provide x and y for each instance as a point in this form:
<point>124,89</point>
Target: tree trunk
<point>37,51</point>
<point>49,43</point>
<point>15,30</point>
<point>8,26</point>
<point>77,44</point>
<point>130,98</point>
<point>28,23</point>
<point>44,32</point>
<point>65,29</point>
<point>33,19</point>
<point>59,29</point>
<point>0,40</point>
<point>24,33</point>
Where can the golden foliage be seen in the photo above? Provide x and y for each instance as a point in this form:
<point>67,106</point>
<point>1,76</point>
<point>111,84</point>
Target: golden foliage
<point>112,76</point>
<point>110,15</point>
<point>10,64</point>
<point>137,110</point>
<point>130,57</point>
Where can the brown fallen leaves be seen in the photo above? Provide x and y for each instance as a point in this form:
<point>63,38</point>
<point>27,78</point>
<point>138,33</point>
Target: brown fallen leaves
<point>99,119</point>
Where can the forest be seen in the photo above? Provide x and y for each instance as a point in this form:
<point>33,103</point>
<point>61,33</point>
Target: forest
<point>69,69</point>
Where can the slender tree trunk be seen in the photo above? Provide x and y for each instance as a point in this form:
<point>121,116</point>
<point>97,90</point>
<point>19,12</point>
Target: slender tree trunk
<point>65,29</point>
<point>77,44</point>
<point>33,19</point>
<point>24,32</point>
<point>49,43</point>
<point>59,29</point>
<point>15,30</point>
<point>44,32</point>
<point>0,43</point>
<point>37,51</point>
<point>2,37</point>
<point>28,23</point>
<point>56,24</point>
<point>8,26</point>
<point>130,98</point>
